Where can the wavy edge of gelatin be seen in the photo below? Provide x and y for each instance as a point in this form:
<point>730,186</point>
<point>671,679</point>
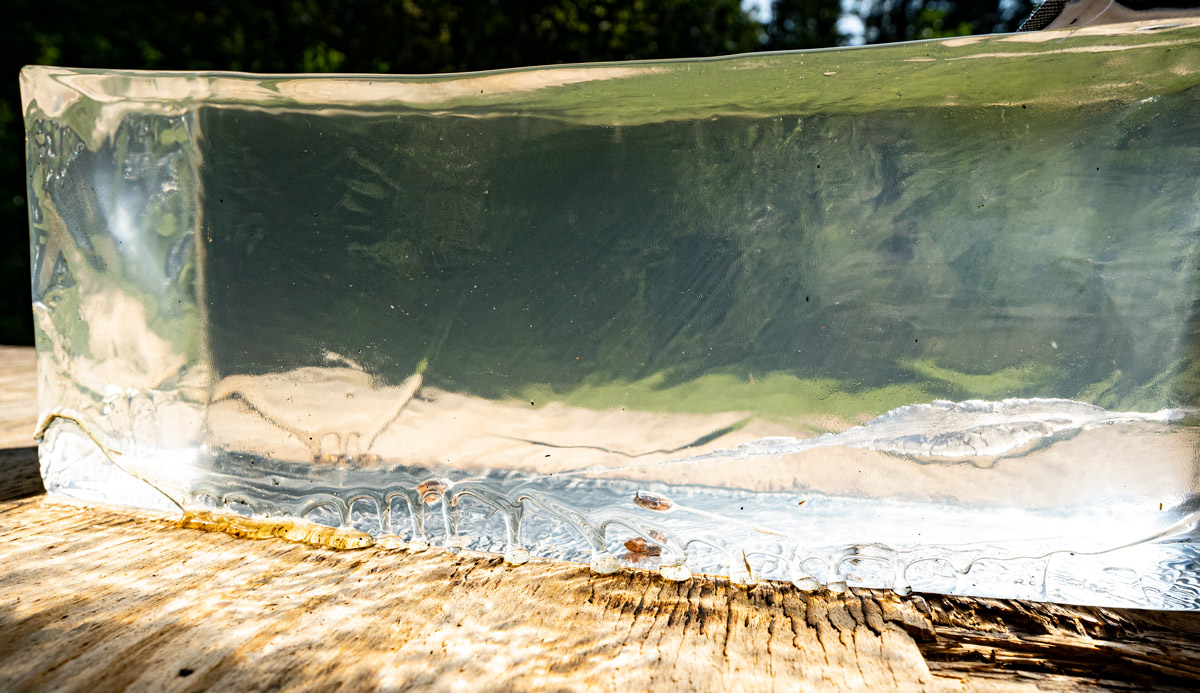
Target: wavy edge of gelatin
<point>343,538</point>
<point>269,522</point>
<point>346,539</point>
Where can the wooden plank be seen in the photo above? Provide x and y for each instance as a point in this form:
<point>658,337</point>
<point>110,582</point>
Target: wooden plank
<point>18,396</point>
<point>103,597</point>
<point>109,598</point>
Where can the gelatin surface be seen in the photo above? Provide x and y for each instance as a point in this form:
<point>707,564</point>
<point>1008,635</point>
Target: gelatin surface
<point>919,316</point>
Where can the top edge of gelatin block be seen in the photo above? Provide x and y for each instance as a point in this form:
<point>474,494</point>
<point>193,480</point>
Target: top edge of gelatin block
<point>1056,68</point>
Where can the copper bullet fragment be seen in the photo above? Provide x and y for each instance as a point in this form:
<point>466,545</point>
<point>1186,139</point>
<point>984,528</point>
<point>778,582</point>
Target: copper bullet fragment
<point>431,490</point>
<point>652,501</point>
<point>639,545</point>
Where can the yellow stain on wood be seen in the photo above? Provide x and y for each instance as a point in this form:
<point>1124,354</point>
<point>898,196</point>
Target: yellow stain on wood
<point>299,531</point>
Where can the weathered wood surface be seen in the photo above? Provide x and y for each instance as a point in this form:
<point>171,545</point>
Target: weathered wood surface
<point>18,397</point>
<point>110,599</point>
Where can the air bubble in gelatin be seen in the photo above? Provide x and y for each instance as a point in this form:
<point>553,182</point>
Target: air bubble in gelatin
<point>516,557</point>
<point>836,586</point>
<point>604,563</point>
<point>806,583</point>
<point>675,573</point>
<point>740,572</point>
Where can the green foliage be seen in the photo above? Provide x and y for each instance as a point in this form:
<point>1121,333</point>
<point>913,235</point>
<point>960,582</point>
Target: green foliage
<point>798,24</point>
<point>885,21</point>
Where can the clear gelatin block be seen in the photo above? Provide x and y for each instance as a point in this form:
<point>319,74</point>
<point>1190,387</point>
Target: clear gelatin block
<point>921,316</point>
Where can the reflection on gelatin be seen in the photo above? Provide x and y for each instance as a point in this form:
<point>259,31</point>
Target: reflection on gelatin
<point>689,317</point>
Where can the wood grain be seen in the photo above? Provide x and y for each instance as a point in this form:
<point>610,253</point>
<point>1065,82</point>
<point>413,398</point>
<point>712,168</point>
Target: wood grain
<point>94,596</point>
<point>18,397</point>
<point>104,598</point>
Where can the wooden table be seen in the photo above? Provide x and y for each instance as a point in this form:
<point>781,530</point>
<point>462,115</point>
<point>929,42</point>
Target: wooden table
<point>104,598</point>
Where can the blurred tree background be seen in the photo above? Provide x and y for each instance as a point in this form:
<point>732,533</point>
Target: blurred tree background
<point>413,36</point>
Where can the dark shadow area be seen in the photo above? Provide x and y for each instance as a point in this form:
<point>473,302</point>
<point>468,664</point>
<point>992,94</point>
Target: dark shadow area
<point>20,476</point>
<point>1059,644</point>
